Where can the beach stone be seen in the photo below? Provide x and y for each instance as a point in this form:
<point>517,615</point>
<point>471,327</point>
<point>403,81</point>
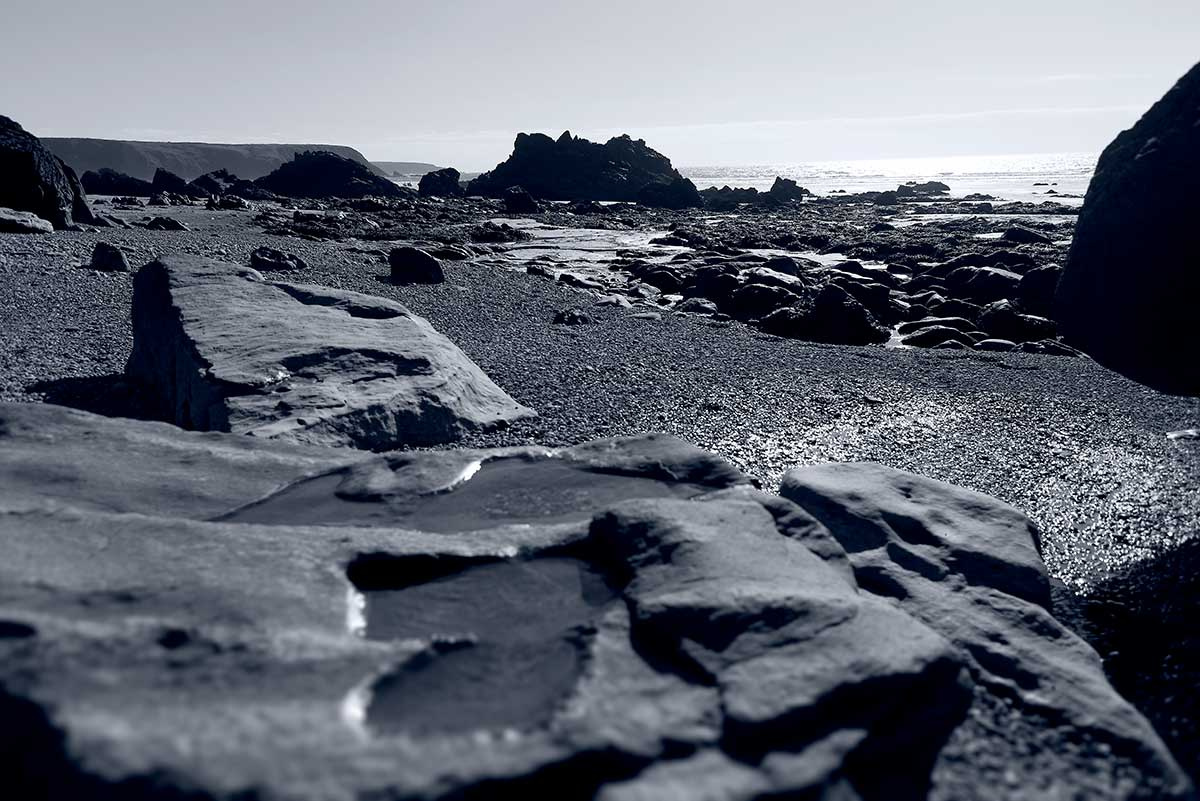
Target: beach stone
<point>517,200</point>
<point>441,183</point>
<point>33,179</point>
<point>322,174</point>
<point>752,301</point>
<point>1037,288</point>
<point>832,316</point>
<point>1002,319</point>
<point>957,323</point>
<point>166,224</point>
<point>697,306</point>
<point>220,348</point>
<point>1023,235</point>
<point>678,193</point>
<point>983,284</point>
<point>1128,292</point>
<point>23,222</point>
<point>411,265</point>
<point>265,259</point>
<point>109,258</point>
<point>573,316</point>
<point>932,336</point>
<point>236,615</point>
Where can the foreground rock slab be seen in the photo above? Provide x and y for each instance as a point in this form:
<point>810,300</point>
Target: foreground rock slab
<point>1128,294</point>
<point>219,348</point>
<point>218,616</point>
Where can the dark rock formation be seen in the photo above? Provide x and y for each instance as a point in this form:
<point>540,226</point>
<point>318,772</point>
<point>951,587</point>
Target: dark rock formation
<point>23,222</point>
<point>318,174</point>
<point>1128,294</point>
<point>1024,235</point>
<point>168,183</point>
<point>35,180</point>
<point>109,258</point>
<point>265,259</point>
<point>219,348</point>
<point>166,224</point>
<point>571,168</point>
<point>625,618</point>
<point>679,193</point>
<point>518,201</point>
<point>106,181</point>
<point>787,190</point>
<point>411,265</point>
<point>832,316</point>
<point>441,183</point>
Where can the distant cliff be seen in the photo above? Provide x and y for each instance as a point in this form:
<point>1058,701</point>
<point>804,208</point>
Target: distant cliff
<point>405,167</point>
<point>186,159</point>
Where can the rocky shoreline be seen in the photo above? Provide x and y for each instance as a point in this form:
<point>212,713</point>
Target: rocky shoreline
<point>693,527</point>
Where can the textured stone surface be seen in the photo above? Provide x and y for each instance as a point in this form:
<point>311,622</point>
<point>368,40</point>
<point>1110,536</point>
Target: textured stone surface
<point>219,348</point>
<point>155,641</point>
<point>1128,294</point>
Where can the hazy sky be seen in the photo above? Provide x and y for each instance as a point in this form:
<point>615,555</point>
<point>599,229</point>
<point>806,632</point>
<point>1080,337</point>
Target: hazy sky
<point>732,82</point>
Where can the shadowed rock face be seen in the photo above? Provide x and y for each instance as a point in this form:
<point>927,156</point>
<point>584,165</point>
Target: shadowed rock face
<point>320,174</point>
<point>35,180</point>
<point>572,168</point>
<point>701,640</point>
<point>220,348</point>
<point>1128,294</point>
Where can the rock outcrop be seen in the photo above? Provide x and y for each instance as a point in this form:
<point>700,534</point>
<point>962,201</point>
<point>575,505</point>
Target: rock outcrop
<point>318,174</point>
<point>441,183</point>
<point>35,180</point>
<point>219,616</point>
<point>1128,292</point>
<point>106,181</point>
<point>572,168</point>
<point>219,348</point>
<point>23,222</point>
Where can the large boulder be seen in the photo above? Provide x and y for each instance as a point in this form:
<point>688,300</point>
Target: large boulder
<point>441,183</point>
<point>208,615</point>
<point>35,180</point>
<point>832,316</point>
<point>572,168</point>
<point>321,174</point>
<point>679,193</point>
<point>168,183</point>
<point>219,348</point>
<point>786,190</point>
<point>1128,292</point>
<point>107,181</point>
<point>23,222</point>
<point>411,265</point>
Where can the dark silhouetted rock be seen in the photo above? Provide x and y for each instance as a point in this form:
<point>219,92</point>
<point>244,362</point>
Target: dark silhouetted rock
<point>1037,288</point>
<point>168,183</point>
<point>35,180</point>
<point>109,258</point>
<point>320,174</point>
<point>265,259</point>
<point>931,336</point>
<point>1128,294</point>
<point>679,193</point>
<point>1003,320</point>
<point>107,181</point>
<point>492,233</point>
<point>411,265</point>
<point>926,189</point>
<point>220,348</point>
<point>23,222</point>
<point>1025,236</point>
<point>983,284</point>
<point>518,201</point>
<point>832,316</point>
<point>441,183</point>
<point>787,190</point>
<point>571,168</point>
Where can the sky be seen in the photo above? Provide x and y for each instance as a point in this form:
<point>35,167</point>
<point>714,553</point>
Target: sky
<point>707,83</point>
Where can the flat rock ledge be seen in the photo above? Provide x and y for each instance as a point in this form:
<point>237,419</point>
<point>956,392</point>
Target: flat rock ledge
<point>220,348</point>
<point>209,616</point>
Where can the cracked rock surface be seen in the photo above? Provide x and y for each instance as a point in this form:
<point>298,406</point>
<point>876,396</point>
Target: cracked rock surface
<point>181,615</point>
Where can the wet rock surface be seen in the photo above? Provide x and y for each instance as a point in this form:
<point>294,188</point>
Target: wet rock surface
<point>219,348</point>
<point>713,632</point>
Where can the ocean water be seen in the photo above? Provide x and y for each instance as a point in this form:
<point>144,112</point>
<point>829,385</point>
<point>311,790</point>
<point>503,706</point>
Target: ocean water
<point>1010,177</point>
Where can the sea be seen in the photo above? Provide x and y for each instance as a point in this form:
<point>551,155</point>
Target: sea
<point>1009,177</point>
